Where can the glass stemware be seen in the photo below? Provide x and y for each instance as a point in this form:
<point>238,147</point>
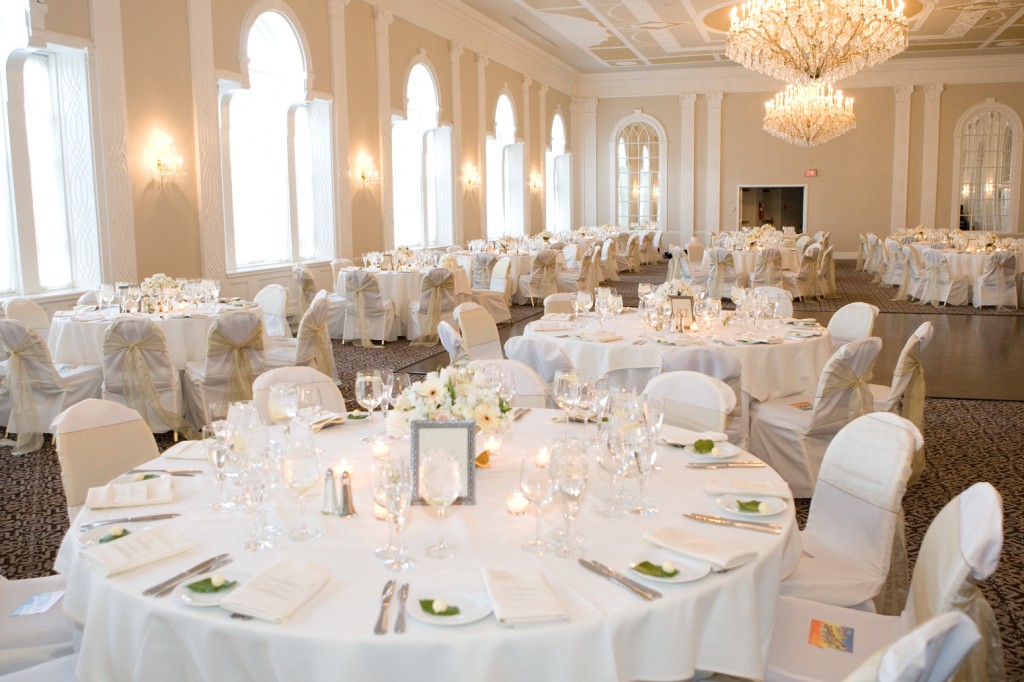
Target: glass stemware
<point>539,488</point>
<point>300,470</point>
<point>215,439</point>
<point>282,403</point>
<point>567,392</point>
<point>644,453</point>
<point>571,470</point>
<point>392,489</point>
<point>440,484</point>
<point>611,456</point>
<point>387,382</point>
<point>369,391</point>
<point>307,402</point>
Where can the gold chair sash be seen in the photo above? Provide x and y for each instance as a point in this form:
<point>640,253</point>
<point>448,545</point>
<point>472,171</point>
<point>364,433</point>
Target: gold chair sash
<point>903,257</point>
<point>862,248</point>
<point>936,273</point>
<point>878,261</point>
<point>828,267</point>
<point>437,287</point>
<point>316,331</point>
<point>241,376</point>
<point>985,661</point>
<point>136,381</point>
<point>306,287</point>
<point>843,378</point>
<point>19,387</point>
<point>719,263</point>
<point>809,267</point>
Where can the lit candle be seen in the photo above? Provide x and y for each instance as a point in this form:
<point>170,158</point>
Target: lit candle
<point>343,465</point>
<point>543,457</point>
<point>381,449</point>
<point>516,503</point>
<point>694,327</point>
<point>492,443</point>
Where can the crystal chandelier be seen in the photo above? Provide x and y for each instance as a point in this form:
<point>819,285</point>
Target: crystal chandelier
<point>809,115</point>
<point>800,41</point>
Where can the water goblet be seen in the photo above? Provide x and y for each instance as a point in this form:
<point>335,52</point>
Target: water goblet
<point>440,484</point>
<point>584,300</point>
<point>608,451</point>
<point>308,404</point>
<point>215,439</point>
<point>571,470</point>
<point>642,446</point>
<point>282,403</point>
<point>300,470</point>
<point>566,392</point>
<point>537,484</point>
<point>393,491</point>
<point>369,391</point>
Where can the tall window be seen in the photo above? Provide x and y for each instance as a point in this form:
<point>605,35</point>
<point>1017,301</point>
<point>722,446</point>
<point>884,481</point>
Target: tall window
<point>988,142</point>
<point>558,199</point>
<point>638,161</point>
<point>506,180</point>
<point>279,169</point>
<point>49,229</point>
<point>421,155</point>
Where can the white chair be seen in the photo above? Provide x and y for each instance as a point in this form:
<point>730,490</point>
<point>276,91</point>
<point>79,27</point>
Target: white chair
<point>961,548</point>
<point>483,265</point>
<point>312,347</point>
<point>37,390</point>
<point>541,280</point>
<point>851,322</point>
<point>138,372</point>
<point>366,314</point>
<point>331,398</point>
<point>273,300</point>
<point>855,525</point>
<point>479,332</point>
<point>996,285</point>
<point>940,287</point>
<point>499,279</point>
<point>931,652</point>
<point>694,254</point>
<point>791,433</point>
<point>893,274</point>
<point>647,252</point>
<point>805,283</point>
<point>628,256</point>
<point>802,242</point>
<point>435,303</point>
<point>494,301</point>
<point>97,440</point>
<point>862,251</point>
<point>234,358</point>
<point>303,277</point>
<point>785,299</point>
<point>569,254</point>
<point>559,304</point>
<point>609,260</point>
<point>721,272</point>
<point>88,298</point>
<point>337,264</point>
<point>29,312</point>
<point>767,269</point>
<point>530,389</point>
<point>451,341</point>
<point>676,264</point>
<point>543,355</point>
<point>693,400</point>
<point>585,279</point>
<point>827,274</point>
<point>30,640</point>
<point>909,269</point>
<point>722,365</point>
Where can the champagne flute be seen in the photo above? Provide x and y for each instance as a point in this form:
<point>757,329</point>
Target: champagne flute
<point>571,470</point>
<point>644,453</point>
<point>567,392</point>
<point>369,391</point>
<point>440,484</point>
<point>300,469</point>
<point>397,497</point>
<point>282,403</point>
<point>539,488</point>
<point>587,403</point>
<point>215,441</point>
<point>387,382</point>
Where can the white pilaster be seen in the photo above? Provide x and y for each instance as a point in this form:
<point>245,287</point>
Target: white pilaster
<point>481,121</point>
<point>455,67</point>
<point>900,157</point>
<point>584,135</point>
<point>527,156</point>
<point>339,114</point>
<point>687,169</point>
<point>930,155</point>
<point>714,164</point>
<point>382,22</point>
<point>542,159</point>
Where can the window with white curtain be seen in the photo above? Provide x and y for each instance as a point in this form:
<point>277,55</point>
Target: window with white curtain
<point>49,229</point>
<point>989,159</point>
<point>558,199</point>
<point>278,162</point>
<point>421,162</point>
<point>638,173</point>
<point>505,179</point>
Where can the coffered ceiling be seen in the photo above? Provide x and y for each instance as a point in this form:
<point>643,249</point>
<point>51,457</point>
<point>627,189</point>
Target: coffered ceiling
<point>601,36</point>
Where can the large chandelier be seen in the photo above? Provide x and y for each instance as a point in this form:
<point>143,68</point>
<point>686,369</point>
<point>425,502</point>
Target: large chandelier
<point>809,115</point>
<point>799,41</point>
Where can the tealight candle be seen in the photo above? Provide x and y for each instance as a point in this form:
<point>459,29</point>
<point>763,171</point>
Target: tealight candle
<point>380,448</point>
<point>516,503</point>
<point>343,465</point>
<point>694,327</point>
<point>492,443</point>
<point>543,457</point>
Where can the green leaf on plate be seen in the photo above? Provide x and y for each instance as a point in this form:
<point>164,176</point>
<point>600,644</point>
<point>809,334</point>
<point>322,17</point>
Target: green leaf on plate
<point>655,570</point>
<point>753,506</point>
<point>704,445</point>
<point>206,586</point>
<point>358,415</point>
<point>428,607</point>
<point>110,537</point>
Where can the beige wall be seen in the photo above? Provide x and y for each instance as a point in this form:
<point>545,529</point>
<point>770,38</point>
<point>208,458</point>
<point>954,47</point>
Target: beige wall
<point>360,47</point>
<point>68,17</point>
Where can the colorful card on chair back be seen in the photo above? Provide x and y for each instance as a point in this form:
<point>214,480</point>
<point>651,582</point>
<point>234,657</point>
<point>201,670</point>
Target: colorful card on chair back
<point>831,636</point>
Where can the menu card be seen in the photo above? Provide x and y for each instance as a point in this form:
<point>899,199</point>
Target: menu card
<point>136,549</point>
<point>522,598</point>
<point>279,590</point>
<point>134,494</point>
<point>719,555</point>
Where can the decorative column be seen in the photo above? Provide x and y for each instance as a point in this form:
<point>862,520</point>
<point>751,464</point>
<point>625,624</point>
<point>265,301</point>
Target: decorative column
<point>714,164</point>
<point>584,135</point>
<point>687,166</point>
<point>339,115</point>
<point>930,155</point>
<point>481,156</point>
<point>542,136</point>
<point>455,67</point>
<point>382,22</point>
<point>900,157</point>
<point>527,192</point>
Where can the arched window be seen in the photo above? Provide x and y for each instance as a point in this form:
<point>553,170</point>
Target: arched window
<point>278,162</point>
<point>639,158</point>
<point>987,148</point>
<point>506,180</point>
<point>421,167</point>
<point>558,165</point>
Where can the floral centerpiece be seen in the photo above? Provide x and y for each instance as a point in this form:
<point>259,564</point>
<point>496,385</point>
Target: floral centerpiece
<point>545,235</point>
<point>675,287</point>
<point>156,284</point>
<point>449,261</point>
<point>402,255</point>
<point>448,394</point>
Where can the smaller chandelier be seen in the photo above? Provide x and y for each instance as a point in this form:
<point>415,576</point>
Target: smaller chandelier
<point>809,115</point>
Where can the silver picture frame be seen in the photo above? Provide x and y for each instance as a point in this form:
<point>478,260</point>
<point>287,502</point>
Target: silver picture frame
<point>452,436</point>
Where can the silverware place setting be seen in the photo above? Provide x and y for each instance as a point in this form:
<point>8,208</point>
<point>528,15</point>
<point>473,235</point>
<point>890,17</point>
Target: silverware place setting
<point>759,526</point>
<point>164,588</point>
<point>126,519</point>
<point>381,627</point>
<point>633,586</point>
<point>403,595</point>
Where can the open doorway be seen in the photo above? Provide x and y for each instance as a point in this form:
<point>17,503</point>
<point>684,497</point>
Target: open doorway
<point>780,206</point>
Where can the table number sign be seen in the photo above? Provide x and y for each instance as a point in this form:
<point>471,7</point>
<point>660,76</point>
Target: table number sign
<point>456,437</point>
<point>682,310</point>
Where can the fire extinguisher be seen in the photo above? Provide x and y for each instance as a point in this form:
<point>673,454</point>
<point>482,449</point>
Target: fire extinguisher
<point>760,210</point>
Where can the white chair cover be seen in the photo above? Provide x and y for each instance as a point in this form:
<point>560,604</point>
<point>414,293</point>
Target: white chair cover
<point>137,372</point>
<point>29,312</point>
<point>851,322</point>
<point>479,332</point>
<point>722,365</point>
<point>633,253</point>
<point>674,263</point>
<point>905,258</point>
<point>313,344</point>
<point>543,355</point>
<point>500,281</point>
<point>583,279</point>
<point>331,399</point>
<point>452,342</point>
<point>89,298</point>
<point>530,390</point>
<point>647,253</point>
<point>785,299</point>
<point>893,263</point>
<point>30,640</point>
<point>793,440</point>
<point>931,652</point>
<point>805,282</point>
<point>367,315</point>
<point>36,389</point>
<point>721,273</point>
<point>693,400</point>
<point>996,285</point>
<point>939,286</point>
<point>802,243</point>
<point>862,251</point>
<point>541,281</point>
<point>827,274</point>
<point>609,260</point>
<point>483,264</point>
<point>695,253</point>
<point>569,254</point>
<point>437,299</point>
<point>559,304</point>
<point>767,269</point>
<point>307,286</point>
<point>336,266</point>
<point>273,300</point>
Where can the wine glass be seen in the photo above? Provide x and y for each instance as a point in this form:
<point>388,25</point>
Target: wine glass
<point>300,470</point>
<point>644,290</point>
<point>369,391</point>
<point>645,453</point>
<point>392,489</point>
<point>440,484</point>
<point>106,296</point>
<point>307,402</point>
<point>571,470</point>
<point>587,403</point>
<point>282,403</point>
<point>387,382</point>
<point>654,414</point>
<point>612,457</point>
<point>539,488</point>
<point>584,300</point>
<point>215,440</point>
<point>566,391</point>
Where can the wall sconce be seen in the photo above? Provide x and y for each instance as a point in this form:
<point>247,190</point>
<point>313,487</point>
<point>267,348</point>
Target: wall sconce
<point>169,163</point>
<point>989,188</point>
<point>536,182</point>
<point>471,176</point>
<point>367,171</point>
<point>654,193</point>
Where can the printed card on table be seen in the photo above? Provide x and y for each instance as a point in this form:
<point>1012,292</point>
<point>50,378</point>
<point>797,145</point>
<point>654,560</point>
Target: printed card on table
<point>806,405</point>
<point>831,636</point>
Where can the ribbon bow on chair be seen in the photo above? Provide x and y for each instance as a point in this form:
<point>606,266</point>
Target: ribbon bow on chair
<point>437,283</point>
<point>19,384</point>
<point>306,285</point>
<point>314,327</point>
<point>241,376</point>
<point>936,273</point>
<point>904,257</point>
<point>843,378</point>
<point>358,284</point>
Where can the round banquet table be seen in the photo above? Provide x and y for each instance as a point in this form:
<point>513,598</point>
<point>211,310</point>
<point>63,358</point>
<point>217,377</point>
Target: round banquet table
<point>402,287</point>
<point>970,265</point>
<point>720,622</point>
<point>744,261</point>
<point>769,370</point>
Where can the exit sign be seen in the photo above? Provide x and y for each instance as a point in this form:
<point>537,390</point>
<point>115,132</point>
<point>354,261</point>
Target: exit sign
<point>811,173</point>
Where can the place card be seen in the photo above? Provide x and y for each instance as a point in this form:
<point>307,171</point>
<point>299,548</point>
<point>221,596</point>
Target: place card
<point>136,494</point>
<point>278,591</point>
<point>137,549</point>
<point>522,598</point>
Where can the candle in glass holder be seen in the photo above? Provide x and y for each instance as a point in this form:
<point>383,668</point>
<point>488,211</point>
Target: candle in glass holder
<point>380,448</point>
<point>343,465</point>
<point>516,503</point>
<point>492,443</point>
<point>694,327</point>
<point>543,457</point>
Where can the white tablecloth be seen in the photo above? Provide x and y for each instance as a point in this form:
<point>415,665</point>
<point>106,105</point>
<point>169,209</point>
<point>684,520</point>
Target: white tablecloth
<point>970,265</point>
<point>769,371</point>
<point>721,622</point>
<point>402,287</point>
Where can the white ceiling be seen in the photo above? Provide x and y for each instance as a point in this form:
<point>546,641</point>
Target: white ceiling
<point>604,36</point>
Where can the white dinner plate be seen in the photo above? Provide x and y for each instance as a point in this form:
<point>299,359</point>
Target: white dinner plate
<point>802,334</point>
<point>689,569</point>
<point>473,604</point>
<point>776,505</point>
<point>725,451</point>
<point>91,538</point>
<point>131,478</point>
<point>203,599</point>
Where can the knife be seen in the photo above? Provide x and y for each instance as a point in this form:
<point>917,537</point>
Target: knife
<point>127,519</point>
<point>198,568</point>
<point>725,465</point>
<point>521,412</point>
<point>403,594</point>
<point>381,628</point>
<point>642,592</point>
<point>629,581</point>
<point>212,567</point>
<point>765,524</point>
<point>774,529</point>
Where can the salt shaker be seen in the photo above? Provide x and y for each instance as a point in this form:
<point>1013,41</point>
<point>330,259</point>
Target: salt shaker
<point>346,505</point>
<point>330,494</point>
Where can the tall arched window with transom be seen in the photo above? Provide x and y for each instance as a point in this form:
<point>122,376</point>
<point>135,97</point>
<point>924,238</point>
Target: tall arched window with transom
<point>987,150</point>
<point>639,145</point>
<point>505,179</point>
<point>558,204</point>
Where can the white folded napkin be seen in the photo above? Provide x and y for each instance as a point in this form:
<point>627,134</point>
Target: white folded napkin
<point>522,598</point>
<point>563,317</point>
<point>550,326</point>
<point>732,486</point>
<point>676,435</point>
<point>279,590</point>
<point>601,336</point>
<point>325,419</point>
<point>769,340</point>
<point>134,494</point>
<point>136,549</point>
<point>187,449</point>
<point>719,555</point>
